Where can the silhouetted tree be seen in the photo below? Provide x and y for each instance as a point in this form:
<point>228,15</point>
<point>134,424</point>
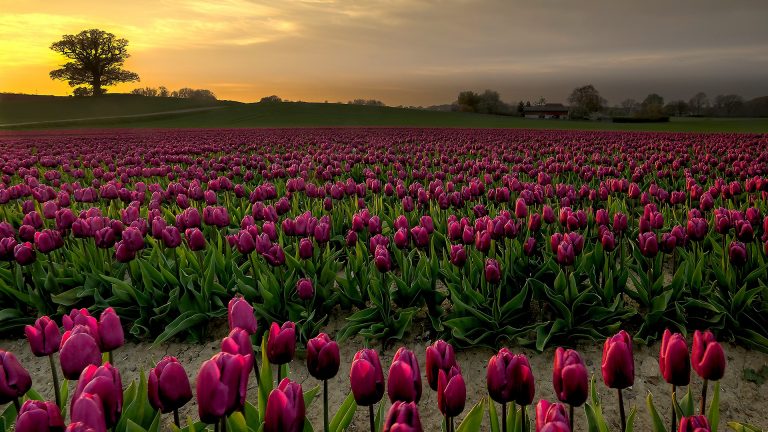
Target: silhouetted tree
<point>698,103</point>
<point>584,101</point>
<point>521,108</point>
<point>96,58</point>
<point>652,106</point>
<point>728,105</point>
<point>162,91</point>
<point>677,108</point>
<point>368,102</point>
<point>630,105</point>
<point>271,99</point>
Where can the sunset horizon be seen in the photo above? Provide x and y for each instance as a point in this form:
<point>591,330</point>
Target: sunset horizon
<point>403,53</point>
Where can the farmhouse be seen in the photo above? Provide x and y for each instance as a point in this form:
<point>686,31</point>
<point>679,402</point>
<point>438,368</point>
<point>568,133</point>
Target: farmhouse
<point>546,111</point>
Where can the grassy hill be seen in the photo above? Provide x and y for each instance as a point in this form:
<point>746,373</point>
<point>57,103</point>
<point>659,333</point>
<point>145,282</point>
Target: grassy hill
<point>149,112</point>
<point>20,108</point>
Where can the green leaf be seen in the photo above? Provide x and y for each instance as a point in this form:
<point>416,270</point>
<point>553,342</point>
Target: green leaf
<point>713,415</point>
<point>656,421</point>
<point>310,395</point>
<point>493,418</point>
<point>744,427</point>
<point>265,381</point>
<point>131,426</point>
<point>474,419</point>
<point>344,415</point>
<point>183,322</point>
<point>631,420</point>
<point>236,423</point>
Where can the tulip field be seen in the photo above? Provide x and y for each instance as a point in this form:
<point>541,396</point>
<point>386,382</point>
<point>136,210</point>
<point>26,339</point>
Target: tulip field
<point>466,238</point>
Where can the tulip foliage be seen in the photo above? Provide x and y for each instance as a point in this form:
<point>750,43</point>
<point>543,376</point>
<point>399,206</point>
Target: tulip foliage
<point>531,237</point>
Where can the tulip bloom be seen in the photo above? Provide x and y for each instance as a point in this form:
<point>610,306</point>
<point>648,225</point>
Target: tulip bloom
<point>551,417</point>
<point>14,379</point>
<point>697,423</point>
<point>451,392</point>
<point>168,387</point>
<point>492,271</point>
<point>44,337</point>
<point>618,367</point>
<point>44,340</point>
<point>404,381</point>
<point>105,382</point>
<point>322,357</point>
<point>737,253</point>
<point>707,356</point>
<point>78,350</point>
<point>366,377</point>
<point>403,416</point>
<point>509,378</point>
<point>111,334</point>
<point>221,386</point>
<point>285,411</point>
<point>708,360</point>
<point>304,289</point>
<point>439,356</point>
<point>39,416</point>
<point>674,360</point>
<point>87,414</point>
<point>281,343</point>
<point>570,377</point>
<point>240,314</point>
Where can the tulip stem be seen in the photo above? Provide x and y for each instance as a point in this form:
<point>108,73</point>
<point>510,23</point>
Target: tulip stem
<point>674,414</point>
<point>523,420</point>
<point>504,417</point>
<point>224,424</point>
<point>55,380</point>
<point>622,415</point>
<point>176,418</point>
<point>216,426</point>
<point>371,417</point>
<point>17,405</point>
<point>703,397</point>
<point>111,358</point>
<point>279,370</point>
<point>570,416</point>
<point>453,426</point>
<point>325,406</point>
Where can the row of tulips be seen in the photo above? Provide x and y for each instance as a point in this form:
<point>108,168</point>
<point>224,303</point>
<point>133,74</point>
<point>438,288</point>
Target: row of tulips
<point>165,226</point>
<point>99,401</point>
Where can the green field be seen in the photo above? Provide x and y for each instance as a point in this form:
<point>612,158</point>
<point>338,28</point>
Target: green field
<point>146,112</point>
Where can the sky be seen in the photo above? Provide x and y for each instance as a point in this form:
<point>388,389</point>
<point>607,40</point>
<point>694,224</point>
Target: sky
<point>405,52</point>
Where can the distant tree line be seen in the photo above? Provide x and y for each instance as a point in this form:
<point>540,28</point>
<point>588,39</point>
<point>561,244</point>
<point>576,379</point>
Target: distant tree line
<point>585,102</point>
<point>182,93</point>
<point>487,102</point>
<point>699,105</point>
<point>366,102</point>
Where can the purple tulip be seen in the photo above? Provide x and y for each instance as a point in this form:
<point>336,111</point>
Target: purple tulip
<point>366,377</point>
<point>39,416</point>
<point>168,385</point>
<point>285,411</point>
<point>44,337</point>
<point>103,381</point>
<point>14,379</point>
<point>404,382</point>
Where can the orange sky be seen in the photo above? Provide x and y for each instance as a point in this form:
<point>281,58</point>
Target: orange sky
<point>410,52</point>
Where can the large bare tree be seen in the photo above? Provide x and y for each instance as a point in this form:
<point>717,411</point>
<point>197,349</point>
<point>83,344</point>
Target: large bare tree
<point>97,59</point>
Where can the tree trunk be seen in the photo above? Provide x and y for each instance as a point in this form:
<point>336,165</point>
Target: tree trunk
<point>97,85</point>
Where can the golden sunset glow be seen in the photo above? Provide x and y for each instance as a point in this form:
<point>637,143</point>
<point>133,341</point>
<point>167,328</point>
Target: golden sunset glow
<point>401,51</point>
